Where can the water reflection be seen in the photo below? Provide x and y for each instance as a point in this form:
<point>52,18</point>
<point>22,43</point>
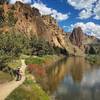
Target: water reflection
<point>74,79</point>
<point>68,67</point>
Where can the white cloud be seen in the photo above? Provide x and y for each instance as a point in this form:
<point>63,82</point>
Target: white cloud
<point>84,14</point>
<point>24,1</point>
<point>97,10</point>
<point>88,8</point>
<point>89,28</point>
<point>80,4</point>
<point>44,10</point>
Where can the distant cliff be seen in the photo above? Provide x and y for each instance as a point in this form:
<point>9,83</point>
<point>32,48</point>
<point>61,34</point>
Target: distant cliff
<point>86,43</point>
<point>77,36</point>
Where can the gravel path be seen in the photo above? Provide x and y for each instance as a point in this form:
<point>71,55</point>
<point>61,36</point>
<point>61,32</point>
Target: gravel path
<point>7,88</point>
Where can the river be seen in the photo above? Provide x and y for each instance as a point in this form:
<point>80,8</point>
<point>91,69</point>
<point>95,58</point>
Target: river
<point>73,78</point>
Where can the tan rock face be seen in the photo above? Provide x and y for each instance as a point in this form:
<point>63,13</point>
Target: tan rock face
<point>29,22</point>
<point>59,38</point>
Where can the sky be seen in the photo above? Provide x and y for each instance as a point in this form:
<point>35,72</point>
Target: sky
<point>71,13</point>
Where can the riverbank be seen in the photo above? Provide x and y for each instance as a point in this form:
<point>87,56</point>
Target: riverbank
<point>30,88</point>
<point>93,59</point>
<point>43,61</point>
<point>36,69</point>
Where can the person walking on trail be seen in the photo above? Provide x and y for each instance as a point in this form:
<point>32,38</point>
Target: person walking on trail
<point>18,74</point>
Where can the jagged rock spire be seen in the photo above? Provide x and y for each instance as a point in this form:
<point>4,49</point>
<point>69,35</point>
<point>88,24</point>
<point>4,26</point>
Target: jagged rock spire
<point>77,36</point>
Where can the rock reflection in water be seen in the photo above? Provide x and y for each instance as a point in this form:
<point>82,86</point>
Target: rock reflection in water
<point>68,67</point>
<point>74,79</point>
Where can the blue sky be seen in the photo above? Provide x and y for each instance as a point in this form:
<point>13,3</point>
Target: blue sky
<point>71,13</point>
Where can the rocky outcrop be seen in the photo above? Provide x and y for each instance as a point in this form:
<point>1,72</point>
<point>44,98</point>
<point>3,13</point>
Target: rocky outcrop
<point>77,36</point>
<point>59,38</point>
<point>29,22</point>
<point>87,44</point>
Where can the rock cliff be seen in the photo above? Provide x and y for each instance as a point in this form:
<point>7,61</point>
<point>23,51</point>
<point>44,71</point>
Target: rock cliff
<point>77,36</point>
<point>59,37</point>
<point>21,18</point>
<point>85,42</point>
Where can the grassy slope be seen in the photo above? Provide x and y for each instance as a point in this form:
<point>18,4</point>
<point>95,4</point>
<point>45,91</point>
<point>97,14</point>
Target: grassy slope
<point>28,91</point>
<point>44,60</point>
<point>4,77</point>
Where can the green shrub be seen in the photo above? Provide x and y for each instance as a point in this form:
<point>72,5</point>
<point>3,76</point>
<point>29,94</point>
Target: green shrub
<point>34,60</point>
<point>92,50</point>
<point>41,47</point>
<point>11,19</point>
<point>14,44</point>
<point>1,17</point>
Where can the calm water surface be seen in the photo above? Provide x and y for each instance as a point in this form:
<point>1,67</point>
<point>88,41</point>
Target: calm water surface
<point>73,79</point>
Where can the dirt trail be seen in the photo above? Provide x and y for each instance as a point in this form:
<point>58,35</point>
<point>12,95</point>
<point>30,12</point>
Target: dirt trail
<point>7,88</point>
